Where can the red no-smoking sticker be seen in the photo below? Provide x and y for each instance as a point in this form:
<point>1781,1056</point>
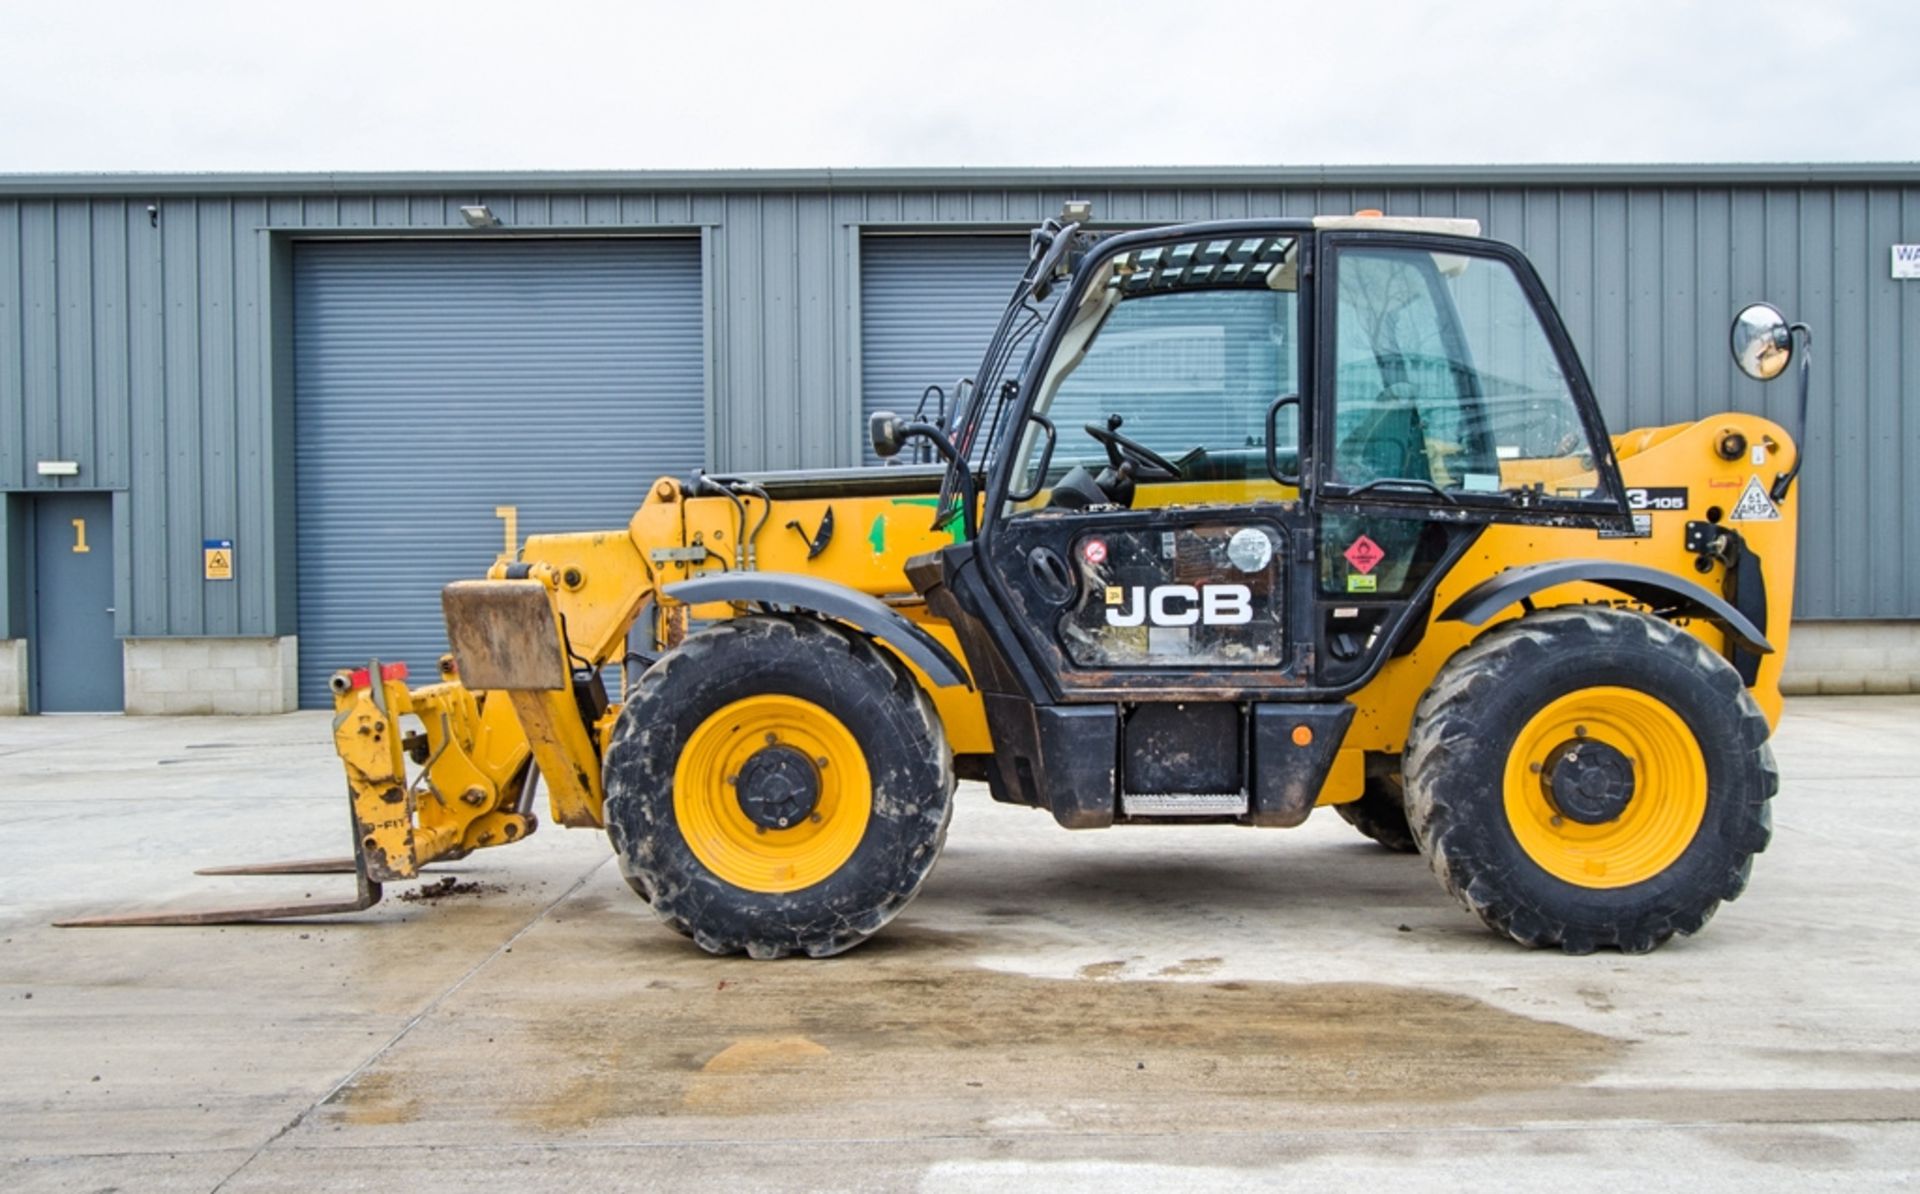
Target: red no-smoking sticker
<point>1095,551</point>
<point>1364,554</point>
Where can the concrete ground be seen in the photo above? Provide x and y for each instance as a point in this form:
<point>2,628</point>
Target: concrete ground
<point>1138,1009</point>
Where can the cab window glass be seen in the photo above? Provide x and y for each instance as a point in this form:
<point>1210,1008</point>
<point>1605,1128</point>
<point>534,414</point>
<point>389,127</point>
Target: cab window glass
<point>1186,371</point>
<point>1188,345</point>
<point>1444,377</point>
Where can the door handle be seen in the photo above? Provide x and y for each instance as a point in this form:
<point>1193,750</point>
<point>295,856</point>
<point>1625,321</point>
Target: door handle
<point>1273,454</point>
<point>1051,575</point>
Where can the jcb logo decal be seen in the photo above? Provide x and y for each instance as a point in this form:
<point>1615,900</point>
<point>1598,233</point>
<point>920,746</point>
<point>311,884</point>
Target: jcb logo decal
<point>1179,605</point>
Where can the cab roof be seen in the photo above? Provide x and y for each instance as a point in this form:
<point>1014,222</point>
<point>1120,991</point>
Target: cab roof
<point>1375,222</point>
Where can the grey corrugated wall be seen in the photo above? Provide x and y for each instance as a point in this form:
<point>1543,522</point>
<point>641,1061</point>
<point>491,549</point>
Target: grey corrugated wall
<point>154,350</point>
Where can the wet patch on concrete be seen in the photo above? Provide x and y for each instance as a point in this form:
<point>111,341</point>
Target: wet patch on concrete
<point>915,1030</point>
<point>790,1060</point>
<point>1884,1063</point>
<point>375,1098</point>
<point>1793,1147</point>
<point>1189,966</point>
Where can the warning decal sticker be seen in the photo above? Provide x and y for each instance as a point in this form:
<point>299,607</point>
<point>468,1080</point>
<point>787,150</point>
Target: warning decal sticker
<point>1364,554</point>
<point>1754,505</point>
<point>218,555</point>
<point>1642,529</point>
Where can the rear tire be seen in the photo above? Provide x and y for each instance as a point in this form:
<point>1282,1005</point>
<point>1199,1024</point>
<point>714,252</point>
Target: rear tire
<point>1588,776</point>
<point>777,786</point>
<point>1381,812</point>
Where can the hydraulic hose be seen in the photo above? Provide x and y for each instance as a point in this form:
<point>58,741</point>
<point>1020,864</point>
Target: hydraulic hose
<point>702,484</point>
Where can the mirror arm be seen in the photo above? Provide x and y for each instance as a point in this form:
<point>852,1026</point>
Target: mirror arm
<point>969,495</point>
<point>890,435</point>
<point>1783,482</point>
<point>932,435</point>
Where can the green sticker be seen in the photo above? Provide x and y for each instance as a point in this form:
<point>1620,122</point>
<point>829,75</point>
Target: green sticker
<point>1359,583</point>
<point>878,535</point>
<point>955,526</point>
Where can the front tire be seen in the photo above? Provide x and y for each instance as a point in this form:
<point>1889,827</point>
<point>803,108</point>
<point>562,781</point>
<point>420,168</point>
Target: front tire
<point>777,786</point>
<point>1589,776</point>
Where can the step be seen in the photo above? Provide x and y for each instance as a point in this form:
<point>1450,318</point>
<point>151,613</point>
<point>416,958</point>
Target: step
<point>1184,804</point>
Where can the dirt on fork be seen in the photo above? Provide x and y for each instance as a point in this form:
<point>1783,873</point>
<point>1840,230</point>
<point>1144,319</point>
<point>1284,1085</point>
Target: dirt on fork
<point>447,886</point>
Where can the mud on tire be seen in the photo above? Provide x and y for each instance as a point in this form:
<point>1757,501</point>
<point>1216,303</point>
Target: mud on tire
<point>864,690</point>
<point>1461,789</point>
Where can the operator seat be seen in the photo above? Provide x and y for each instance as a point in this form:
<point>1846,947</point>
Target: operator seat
<point>1390,444</point>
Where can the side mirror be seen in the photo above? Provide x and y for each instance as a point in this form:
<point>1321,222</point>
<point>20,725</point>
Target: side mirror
<point>1762,341</point>
<point>1762,345</point>
<point>888,432</point>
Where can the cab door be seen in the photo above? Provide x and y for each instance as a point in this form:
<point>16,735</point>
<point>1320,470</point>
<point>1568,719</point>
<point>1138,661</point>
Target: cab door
<point>1148,542</point>
<point>1448,398</point>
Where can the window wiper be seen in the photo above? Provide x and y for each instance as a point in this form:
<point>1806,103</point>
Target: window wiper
<point>1406,483</point>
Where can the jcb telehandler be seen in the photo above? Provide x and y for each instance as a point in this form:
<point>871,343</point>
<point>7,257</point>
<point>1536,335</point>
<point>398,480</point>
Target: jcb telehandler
<point>1234,520</point>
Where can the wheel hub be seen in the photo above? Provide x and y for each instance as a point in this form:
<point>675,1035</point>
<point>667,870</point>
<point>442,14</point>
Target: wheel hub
<point>1589,782</point>
<point>777,787</point>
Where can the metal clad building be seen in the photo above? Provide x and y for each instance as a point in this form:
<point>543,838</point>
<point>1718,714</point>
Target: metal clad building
<point>152,341</point>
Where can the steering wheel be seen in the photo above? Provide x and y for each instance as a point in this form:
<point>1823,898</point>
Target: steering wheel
<point>1142,457</point>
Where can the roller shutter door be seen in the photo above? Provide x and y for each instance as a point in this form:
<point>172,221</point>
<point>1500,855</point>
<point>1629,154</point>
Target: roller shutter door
<point>436,382</point>
<point>928,306</point>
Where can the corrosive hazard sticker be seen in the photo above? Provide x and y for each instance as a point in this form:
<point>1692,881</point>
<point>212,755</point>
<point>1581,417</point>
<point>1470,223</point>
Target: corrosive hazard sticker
<point>1754,505</point>
<point>1364,554</point>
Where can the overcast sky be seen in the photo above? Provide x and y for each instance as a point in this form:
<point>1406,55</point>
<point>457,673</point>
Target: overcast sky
<point>182,85</point>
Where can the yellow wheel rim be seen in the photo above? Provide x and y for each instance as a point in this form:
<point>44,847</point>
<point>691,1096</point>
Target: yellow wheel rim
<point>731,844</point>
<point>1668,802</point>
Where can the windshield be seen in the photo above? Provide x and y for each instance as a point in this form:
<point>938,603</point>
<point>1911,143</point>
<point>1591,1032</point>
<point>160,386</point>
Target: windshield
<point>1184,348</point>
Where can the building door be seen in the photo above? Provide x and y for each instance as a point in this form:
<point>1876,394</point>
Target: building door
<point>928,305</point>
<point>449,394</point>
<point>76,661</point>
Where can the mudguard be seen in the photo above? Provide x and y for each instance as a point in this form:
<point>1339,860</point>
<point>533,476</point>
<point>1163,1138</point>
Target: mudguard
<point>1662,590</point>
<point>859,610</point>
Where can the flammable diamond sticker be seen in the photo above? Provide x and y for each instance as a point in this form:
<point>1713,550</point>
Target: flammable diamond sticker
<point>1754,505</point>
<point>1364,554</point>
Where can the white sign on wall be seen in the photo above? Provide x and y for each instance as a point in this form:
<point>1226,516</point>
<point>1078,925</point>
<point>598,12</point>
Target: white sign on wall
<point>1906,261</point>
